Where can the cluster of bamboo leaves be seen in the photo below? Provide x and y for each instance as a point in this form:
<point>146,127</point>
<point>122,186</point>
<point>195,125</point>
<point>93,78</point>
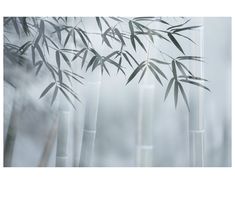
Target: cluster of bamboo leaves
<point>44,37</point>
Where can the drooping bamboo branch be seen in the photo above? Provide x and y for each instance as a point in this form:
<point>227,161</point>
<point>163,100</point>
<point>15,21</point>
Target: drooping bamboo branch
<point>196,114</point>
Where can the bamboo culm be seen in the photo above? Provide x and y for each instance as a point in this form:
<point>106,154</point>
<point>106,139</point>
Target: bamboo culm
<point>196,100</point>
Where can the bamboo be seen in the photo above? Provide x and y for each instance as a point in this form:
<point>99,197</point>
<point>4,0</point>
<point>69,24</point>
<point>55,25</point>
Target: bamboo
<point>196,99</point>
<point>91,111</point>
<point>144,154</point>
<point>9,94</point>
<point>49,145</point>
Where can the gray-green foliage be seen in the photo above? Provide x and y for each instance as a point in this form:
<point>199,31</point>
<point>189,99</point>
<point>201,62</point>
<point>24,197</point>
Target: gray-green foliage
<point>43,36</point>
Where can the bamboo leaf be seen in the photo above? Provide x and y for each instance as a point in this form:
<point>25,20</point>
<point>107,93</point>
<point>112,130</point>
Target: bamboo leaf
<point>176,93</point>
<point>84,57</point>
<point>57,54</point>
<point>174,69</point>
<point>133,58</point>
<point>157,69</point>
<point>82,38</point>
<point>54,95</point>
<point>132,37</point>
<point>105,39</point>
<point>47,89</point>
<point>91,62</point>
<point>184,95</point>
<point>14,20</point>
<point>99,23</point>
<point>142,75</point>
<point>195,83</point>
<point>127,59</point>
<point>67,97</point>
<point>159,61</point>
<point>185,28</point>
<point>78,54</point>
<point>172,38</point>
<point>68,36</point>
<point>66,59</point>
<point>135,72</point>
<point>192,77</point>
<point>119,35</point>
<point>131,28</point>
<point>141,44</point>
<point>178,25</point>
<point>180,68</point>
<point>168,87</point>
<point>185,68</point>
<point>155,75</point>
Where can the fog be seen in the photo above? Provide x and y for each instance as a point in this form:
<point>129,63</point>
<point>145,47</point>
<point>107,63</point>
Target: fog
<point>37,125</point>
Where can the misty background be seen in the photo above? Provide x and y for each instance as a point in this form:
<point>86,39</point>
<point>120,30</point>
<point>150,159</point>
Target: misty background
<point>117,125</point>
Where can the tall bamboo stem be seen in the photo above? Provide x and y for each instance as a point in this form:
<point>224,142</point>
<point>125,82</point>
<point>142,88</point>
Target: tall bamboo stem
<point>144,154</point>
<point>91,111</point>
<point>196,99</point>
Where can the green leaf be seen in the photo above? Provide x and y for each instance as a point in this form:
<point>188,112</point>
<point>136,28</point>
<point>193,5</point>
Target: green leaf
<point>195,83</point>
<point>47,89</point>
<point>136,71</point>
<point>176,93</point>
<point>155,75</point>
<point>168,87</point>
<point>172,38</point>
<point>184,95</point>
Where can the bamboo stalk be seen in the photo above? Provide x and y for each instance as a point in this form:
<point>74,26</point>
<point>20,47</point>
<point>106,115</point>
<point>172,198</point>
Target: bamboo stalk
<point>62,139</point>
<point>196,99</point>
<point>48,147</point>
<point>145,123</point>
<point>91,111</point>
<point>9,95</point>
